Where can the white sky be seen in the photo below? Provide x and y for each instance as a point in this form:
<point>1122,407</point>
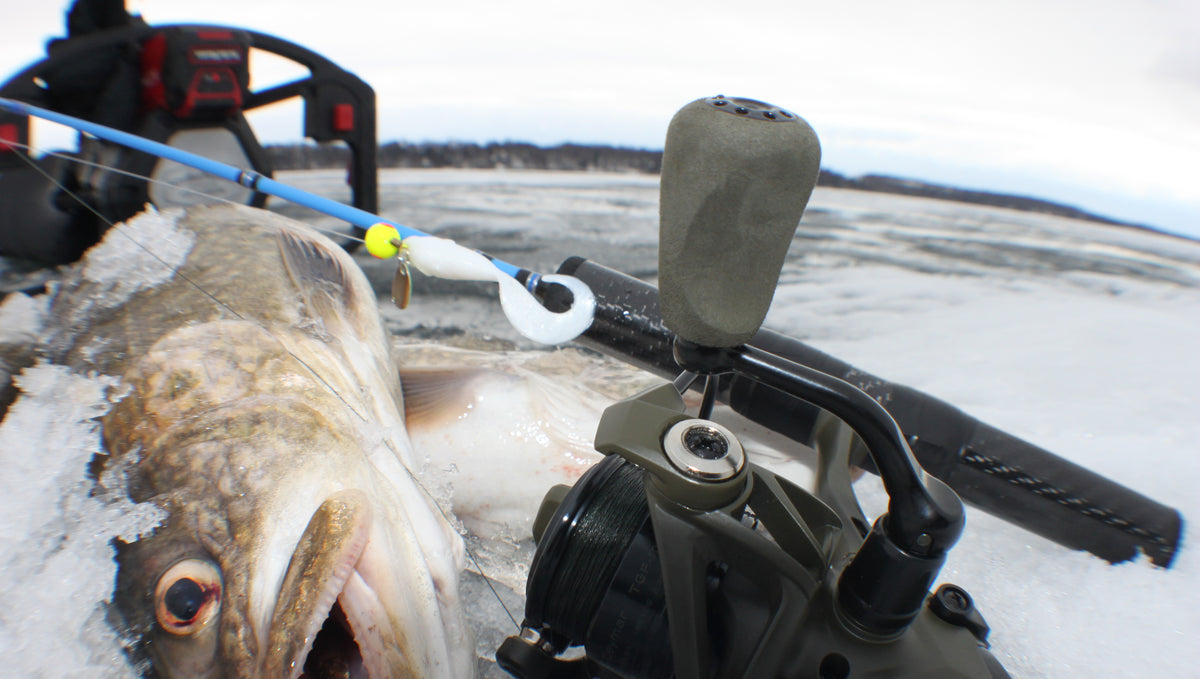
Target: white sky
<point>1094,103</point>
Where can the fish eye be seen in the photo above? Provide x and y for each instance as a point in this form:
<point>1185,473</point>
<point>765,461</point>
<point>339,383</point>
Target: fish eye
<point>187,596</point>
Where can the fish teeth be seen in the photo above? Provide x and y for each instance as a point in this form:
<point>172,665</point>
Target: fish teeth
<point>365,615</point>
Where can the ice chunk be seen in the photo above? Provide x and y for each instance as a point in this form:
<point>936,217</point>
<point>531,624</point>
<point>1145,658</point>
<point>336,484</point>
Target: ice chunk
<point>57,525</point>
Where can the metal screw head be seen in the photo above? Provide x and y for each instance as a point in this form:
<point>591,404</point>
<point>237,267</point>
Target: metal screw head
<point>704,450</point>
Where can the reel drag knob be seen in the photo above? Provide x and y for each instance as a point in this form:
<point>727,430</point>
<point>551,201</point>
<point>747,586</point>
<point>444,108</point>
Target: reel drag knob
<point>704,450</point>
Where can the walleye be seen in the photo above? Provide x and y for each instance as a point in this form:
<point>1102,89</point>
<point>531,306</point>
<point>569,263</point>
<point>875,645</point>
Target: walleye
<point>261,409</point>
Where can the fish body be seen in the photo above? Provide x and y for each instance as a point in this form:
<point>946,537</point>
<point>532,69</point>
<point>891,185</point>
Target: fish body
<point>260,408</point>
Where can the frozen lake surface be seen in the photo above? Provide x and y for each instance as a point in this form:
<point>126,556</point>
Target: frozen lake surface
<point>1079,337</point>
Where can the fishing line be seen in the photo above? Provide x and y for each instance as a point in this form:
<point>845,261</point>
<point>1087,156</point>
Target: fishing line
<point>176,271</point>
<point>149,180</point>
<point>466,547</point>
<point>435,256</point>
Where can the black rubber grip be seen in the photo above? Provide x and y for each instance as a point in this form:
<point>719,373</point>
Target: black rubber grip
<point>1000,473</point>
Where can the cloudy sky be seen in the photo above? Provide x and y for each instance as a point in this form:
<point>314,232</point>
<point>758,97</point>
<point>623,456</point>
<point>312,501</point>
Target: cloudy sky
<point>1094,103</point>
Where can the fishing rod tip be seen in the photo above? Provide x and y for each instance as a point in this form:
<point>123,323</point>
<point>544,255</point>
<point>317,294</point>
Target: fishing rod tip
<point>555,296</point>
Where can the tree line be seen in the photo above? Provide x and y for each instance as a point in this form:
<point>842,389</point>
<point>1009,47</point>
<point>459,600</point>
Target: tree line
<point>579,157</point>
<point>507,155</point>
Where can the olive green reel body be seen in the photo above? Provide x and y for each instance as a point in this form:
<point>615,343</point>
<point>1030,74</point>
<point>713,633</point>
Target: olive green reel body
<point>740,578</point>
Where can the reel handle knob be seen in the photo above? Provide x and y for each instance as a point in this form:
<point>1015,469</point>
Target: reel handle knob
<point>736,176</point>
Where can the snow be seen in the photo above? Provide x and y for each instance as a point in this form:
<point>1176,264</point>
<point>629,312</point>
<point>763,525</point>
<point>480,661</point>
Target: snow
<point>22,316</point>
<point>1078,337</point>
<point>1108,381</point>
<point>1085,344</point>
<point>57,560</point>
<point>137,255</point>
<point>56,522</point>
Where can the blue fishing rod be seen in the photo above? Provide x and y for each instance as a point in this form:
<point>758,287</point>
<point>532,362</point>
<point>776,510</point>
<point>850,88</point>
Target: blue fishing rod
<point>247,178</point>
<point>433,256</point>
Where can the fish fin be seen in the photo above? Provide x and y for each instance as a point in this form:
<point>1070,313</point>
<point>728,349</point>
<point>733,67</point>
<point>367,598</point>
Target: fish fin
<point>320,275</point>
<point>435,396</point>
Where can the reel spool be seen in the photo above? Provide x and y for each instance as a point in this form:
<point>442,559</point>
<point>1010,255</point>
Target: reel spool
<point>596,580</point>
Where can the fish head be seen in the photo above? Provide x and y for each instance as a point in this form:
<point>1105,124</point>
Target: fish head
<point>297,544</point>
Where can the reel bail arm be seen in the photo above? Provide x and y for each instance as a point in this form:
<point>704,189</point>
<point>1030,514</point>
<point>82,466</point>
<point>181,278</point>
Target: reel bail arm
<point>737,175</point>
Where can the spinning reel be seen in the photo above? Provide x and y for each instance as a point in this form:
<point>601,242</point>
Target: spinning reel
<point>676,556</point>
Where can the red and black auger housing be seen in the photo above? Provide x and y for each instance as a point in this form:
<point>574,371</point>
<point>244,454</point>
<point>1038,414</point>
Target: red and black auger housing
<point>187,86</point>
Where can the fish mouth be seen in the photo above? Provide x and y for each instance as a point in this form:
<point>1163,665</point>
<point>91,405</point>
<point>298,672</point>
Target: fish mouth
<point>350,643</point>
<point>328,621</point>
<point>334,652</point>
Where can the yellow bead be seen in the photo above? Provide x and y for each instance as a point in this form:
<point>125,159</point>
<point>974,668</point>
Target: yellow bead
<point>381,240</point>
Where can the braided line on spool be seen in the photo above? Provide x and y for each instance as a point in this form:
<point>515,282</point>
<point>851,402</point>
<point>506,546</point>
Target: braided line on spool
<point>599,537</point>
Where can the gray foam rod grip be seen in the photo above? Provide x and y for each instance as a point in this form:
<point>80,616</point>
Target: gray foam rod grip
<point>736,176</point>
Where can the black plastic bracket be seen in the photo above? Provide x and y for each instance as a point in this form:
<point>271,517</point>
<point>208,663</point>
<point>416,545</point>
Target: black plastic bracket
<point>338,104</point>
